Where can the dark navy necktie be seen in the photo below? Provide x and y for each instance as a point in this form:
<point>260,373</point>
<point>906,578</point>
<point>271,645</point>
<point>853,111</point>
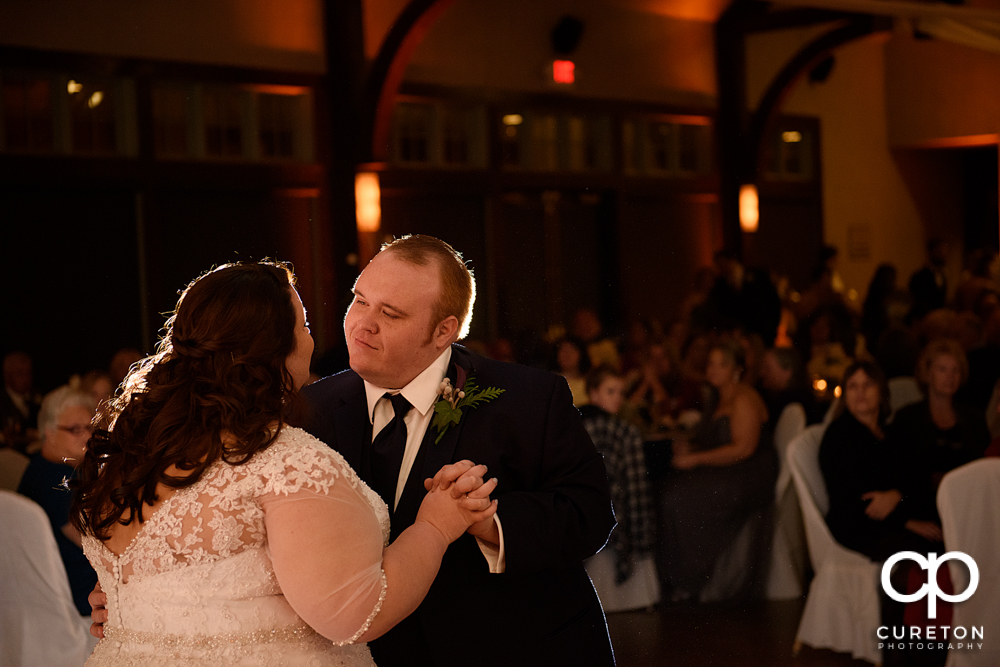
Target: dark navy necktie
<point>387,451</point>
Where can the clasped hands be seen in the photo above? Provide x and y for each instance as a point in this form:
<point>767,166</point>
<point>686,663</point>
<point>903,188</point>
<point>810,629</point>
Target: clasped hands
<point>466,481</point>
<point>883,503</point>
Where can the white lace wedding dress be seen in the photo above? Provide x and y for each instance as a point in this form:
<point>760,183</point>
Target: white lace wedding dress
<point>218,572</point>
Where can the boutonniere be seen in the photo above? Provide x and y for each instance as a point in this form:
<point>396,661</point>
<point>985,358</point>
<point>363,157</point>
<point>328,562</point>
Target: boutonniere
<point>448,409</point>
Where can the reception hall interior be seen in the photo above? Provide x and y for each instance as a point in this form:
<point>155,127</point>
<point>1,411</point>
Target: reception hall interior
<point>760,239</point>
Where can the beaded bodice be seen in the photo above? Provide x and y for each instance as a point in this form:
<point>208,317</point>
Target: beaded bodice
<point>197,583</point>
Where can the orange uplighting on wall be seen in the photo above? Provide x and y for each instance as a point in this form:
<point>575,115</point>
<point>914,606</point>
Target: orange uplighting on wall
<point>563,71</point>
<point>749,208</point>
<point>367,202</point>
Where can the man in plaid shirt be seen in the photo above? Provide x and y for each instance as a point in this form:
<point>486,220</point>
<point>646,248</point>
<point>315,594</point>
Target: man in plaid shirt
<point>621,445</point>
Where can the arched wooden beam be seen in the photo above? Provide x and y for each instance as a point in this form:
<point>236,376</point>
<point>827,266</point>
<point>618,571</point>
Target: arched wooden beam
<point>809,56</point>
<point>387,70</point>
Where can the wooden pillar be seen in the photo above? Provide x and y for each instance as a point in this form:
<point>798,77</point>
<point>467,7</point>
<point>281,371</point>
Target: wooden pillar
<point>337,134</point>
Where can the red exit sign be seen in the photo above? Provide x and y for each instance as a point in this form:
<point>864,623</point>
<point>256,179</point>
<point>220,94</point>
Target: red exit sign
<point>563,71</point>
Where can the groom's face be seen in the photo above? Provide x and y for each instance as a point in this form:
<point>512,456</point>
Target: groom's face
<point>388,326</point>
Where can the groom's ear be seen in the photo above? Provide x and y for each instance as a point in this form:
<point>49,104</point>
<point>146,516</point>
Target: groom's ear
<point>446,332</point>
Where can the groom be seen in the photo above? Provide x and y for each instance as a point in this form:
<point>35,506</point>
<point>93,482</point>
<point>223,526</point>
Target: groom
<point>513,590</point>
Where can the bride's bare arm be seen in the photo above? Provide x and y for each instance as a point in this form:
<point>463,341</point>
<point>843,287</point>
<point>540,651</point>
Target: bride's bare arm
<point>328,556</point>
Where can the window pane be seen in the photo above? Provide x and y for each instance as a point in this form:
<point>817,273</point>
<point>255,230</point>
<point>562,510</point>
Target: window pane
<point>277,116</point>
<point>661,146</point>
<point>545,142</point>
<point>510,139</point>
<point>690,147</point>
<point>413,132</point>
<point>170,123</point>
<point>456,136</point>
<point>223,123</point>
<point>581,145</point>
<point>27,112</point>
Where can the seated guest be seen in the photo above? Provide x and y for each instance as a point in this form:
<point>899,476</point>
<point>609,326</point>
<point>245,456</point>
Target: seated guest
<point>725,475</point>
<point>569,359</point>
<point>64,424</point>
<point>661,393</point>
<point>600,348</point>
<point>936,435</point>
<point>861,479</point>
<point>783,381</point>
<point>97,384</point>
<point>18,402</point>
<point>628,552</point>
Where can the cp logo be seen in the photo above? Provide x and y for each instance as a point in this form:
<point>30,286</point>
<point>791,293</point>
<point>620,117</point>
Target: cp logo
<point>930,590</point>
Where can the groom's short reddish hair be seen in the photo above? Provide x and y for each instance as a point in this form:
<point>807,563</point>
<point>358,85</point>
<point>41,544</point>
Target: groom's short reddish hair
<point>458,286</point>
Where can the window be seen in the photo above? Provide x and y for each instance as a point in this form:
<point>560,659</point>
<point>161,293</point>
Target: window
<point>667,145</point>
<point>437,134</point>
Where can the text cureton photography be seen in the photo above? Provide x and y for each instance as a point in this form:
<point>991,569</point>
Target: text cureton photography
<point>937,636</point>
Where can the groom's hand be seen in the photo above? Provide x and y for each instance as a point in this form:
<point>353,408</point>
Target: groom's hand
<point>99,615</point>
<point>466,478</point>
<point>462,477</point>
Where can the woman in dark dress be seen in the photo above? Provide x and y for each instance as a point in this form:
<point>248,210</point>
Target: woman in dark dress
<point>724,476</point>
<point>863,483</point>
<point>934,436</point>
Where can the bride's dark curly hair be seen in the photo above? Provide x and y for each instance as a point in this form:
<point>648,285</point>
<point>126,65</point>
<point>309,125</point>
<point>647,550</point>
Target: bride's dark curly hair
<point>219,369</point>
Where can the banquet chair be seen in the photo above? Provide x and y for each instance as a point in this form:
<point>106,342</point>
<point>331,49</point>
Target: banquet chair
<point>968,501</point>
<point>12,466</point>
<point>39,624</point>
<point>787,566</point>
<point>842,607</point>
<point>902,392</point>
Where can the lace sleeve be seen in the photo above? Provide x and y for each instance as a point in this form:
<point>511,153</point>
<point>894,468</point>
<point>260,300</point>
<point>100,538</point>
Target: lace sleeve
<point>325,541</point>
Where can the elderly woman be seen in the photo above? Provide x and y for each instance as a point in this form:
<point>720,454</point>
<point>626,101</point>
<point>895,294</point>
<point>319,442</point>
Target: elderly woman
<point>725,475</point>
<point>64,424</point>
<point>935,435</point>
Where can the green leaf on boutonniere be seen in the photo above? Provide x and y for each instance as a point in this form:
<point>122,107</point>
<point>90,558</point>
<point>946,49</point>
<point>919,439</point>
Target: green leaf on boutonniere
<point>448,409</point>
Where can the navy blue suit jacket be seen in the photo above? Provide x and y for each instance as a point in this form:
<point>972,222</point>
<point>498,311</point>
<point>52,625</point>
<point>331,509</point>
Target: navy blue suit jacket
<point>554,505</point>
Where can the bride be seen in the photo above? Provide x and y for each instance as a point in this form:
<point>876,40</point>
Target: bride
<point>220,534</point>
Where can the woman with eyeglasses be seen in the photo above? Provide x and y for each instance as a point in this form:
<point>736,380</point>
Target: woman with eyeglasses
<point>64,424</point>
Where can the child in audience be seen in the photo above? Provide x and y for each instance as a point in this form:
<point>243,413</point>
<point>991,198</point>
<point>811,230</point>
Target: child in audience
<point>623,573</point>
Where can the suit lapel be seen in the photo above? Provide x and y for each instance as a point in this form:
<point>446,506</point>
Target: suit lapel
<point>432,456</point>
<point>354,433</point>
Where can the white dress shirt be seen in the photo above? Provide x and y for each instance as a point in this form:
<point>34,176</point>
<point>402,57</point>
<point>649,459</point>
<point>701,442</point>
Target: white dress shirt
<point>422,393</point>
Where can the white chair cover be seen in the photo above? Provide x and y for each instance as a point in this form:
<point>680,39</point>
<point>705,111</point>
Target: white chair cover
<point>842,608</point>
<point>902,392</point>
<point>640,591</point>
<point>969,504</point>
<point>787,568</point>
<point>39,625</point>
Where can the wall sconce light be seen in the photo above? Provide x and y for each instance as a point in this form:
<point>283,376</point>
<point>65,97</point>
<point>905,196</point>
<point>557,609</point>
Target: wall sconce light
<point>367,202</point>
<point>749,208</point>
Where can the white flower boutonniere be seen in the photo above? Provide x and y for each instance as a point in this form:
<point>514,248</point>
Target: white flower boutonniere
<point>448,409</point>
